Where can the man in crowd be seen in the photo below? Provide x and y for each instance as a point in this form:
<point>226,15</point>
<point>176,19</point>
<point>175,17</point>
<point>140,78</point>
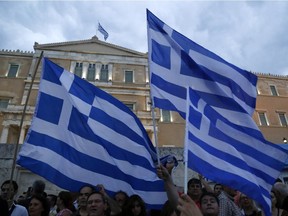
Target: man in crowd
<point>84,192</point>
<point>8,191</point>
<point>226,202</point>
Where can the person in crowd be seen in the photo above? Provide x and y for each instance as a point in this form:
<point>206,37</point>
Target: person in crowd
<point>84,192</point>
<point>121,198</point>
<point>217,189</point>
<point>96,205</point>
<point>37,188</point>
<point>281,192</point>
<point>52,199</point>
<point>8,191</point>
<point>195,190</point>
<point>112,206</point>
<point>64,204</point>
<point>135,206</point>
<point>4,209</point>
<point>248,206</point>
<point>38,206</point>
<point>209,204</point>
<point>226,202</point>
<point>168,210</point>
<point>276,209</point>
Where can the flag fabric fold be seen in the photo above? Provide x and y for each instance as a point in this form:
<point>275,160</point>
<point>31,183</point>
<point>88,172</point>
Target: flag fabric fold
<point>223,142</point>
<point>81,134</point>
<point>103,31</point>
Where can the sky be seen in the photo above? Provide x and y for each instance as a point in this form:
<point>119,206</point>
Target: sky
<point>249,34</point>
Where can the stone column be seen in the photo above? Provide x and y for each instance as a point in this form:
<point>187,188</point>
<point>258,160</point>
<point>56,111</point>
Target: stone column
<point>4,134</point>
<point>85,70</point>
<point>110,67</point>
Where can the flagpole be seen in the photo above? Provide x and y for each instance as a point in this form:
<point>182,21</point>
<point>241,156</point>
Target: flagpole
<point>185,153</point>
<point>155,132</point>
<point>152,104</point>
<point>23,115</point>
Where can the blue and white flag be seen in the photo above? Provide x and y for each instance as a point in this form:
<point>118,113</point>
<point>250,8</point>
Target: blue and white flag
<point>223,142</point>
<point>102,30</point>
<point>80,134</point>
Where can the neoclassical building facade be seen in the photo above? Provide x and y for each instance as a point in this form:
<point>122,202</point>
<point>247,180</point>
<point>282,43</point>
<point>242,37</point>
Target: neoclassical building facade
<point>123,73</point>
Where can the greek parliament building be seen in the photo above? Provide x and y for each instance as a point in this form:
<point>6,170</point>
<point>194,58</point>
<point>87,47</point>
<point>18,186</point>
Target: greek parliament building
<point>123,73</point>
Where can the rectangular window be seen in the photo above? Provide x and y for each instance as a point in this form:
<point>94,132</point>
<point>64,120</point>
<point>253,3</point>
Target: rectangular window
<point>78,69</point>
<point>283,119</point>
<point>263,119</point>
<point>130,106</point>
<point>165,116</point>
<point>91,72</point>
<point>4,103</point>
<point>273,90</point>
<point>13,69</point>
<point>104,73</point>
<point>128,76</point>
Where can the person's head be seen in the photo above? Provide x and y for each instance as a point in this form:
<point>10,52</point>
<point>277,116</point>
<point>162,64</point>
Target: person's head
<point>121,198</point>
<point>52,200</point>
<point>96,204</point>
<point>194,189</point>
<point>64,200</point>
<point>280,191</point>
<point>38,206</point>
<point>217,189</point>
<point>209,204</point>
<point>84,192</point>
<point>246,202</point>
<point>9,189</point>
<point>230,191</point>
<point>136,206</point>
<point>38,187</point>
<point>168,210</point>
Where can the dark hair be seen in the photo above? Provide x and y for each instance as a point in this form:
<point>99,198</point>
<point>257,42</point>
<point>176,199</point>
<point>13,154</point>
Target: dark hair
<point>38,187</point>
<point>44,203</point>
<point>121,192</point>
<point>97,192</point>
<point>87,185</point>
<point>167,209</point>
<point>14,183</point>
<point>209,194</point>
<point>218,185</point>
<point>130,204</point>
<point>53,198</point>
<point>194,181</point>
<point>66,197</point>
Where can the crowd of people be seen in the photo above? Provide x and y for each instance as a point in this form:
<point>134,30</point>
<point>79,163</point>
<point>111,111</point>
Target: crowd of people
<point>200,200</point>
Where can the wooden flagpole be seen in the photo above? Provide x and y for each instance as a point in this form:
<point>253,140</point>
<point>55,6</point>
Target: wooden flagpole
<point>22,118</point>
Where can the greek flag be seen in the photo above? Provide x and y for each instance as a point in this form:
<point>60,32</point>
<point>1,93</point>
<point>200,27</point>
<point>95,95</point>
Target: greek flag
<point>80,134</point>
<point>102,30</point>
<point>223,143</point>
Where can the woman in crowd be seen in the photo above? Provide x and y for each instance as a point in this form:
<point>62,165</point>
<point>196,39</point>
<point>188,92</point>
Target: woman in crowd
<point>248,206</point>
<point>64,203</point>
<point>135,206</point>
<point>38,206</point>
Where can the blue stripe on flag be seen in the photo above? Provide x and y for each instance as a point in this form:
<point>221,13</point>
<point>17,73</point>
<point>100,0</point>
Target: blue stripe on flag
<point>223,142</point>
<point>88,140</point>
